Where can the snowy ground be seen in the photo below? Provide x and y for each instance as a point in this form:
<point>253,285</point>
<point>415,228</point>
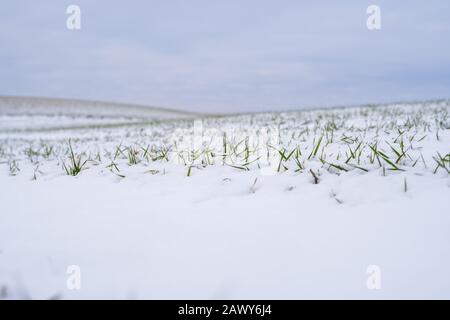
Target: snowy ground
<point>287,205</point>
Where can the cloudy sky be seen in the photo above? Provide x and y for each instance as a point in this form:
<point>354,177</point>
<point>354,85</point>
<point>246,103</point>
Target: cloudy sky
<point>233,55</point>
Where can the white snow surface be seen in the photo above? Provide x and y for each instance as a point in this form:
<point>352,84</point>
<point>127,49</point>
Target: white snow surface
<point>223,232</point>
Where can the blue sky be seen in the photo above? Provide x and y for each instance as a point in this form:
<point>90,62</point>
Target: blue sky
<point>218,56</point>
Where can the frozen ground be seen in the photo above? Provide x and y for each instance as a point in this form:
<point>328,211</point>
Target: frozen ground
<point>286,205</point>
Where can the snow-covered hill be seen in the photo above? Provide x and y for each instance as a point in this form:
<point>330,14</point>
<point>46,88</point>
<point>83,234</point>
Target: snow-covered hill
<point>31,113</point>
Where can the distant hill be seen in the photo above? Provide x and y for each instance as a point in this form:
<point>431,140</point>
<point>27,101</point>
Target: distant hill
<point>15,106</point>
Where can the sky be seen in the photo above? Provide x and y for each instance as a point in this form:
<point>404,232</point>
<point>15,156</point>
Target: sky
<point>227,56</point>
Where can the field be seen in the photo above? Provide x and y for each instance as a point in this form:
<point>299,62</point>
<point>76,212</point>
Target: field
<point>297,204</point>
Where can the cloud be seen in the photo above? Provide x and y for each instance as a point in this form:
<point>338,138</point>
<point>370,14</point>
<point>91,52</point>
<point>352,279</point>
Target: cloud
<point>227,56</point>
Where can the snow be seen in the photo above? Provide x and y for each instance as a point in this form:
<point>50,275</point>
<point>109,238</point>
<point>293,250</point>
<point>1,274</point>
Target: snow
<point>222,232</point>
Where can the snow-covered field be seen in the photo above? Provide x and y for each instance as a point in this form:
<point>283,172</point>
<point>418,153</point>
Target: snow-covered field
<point>333,203</point>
